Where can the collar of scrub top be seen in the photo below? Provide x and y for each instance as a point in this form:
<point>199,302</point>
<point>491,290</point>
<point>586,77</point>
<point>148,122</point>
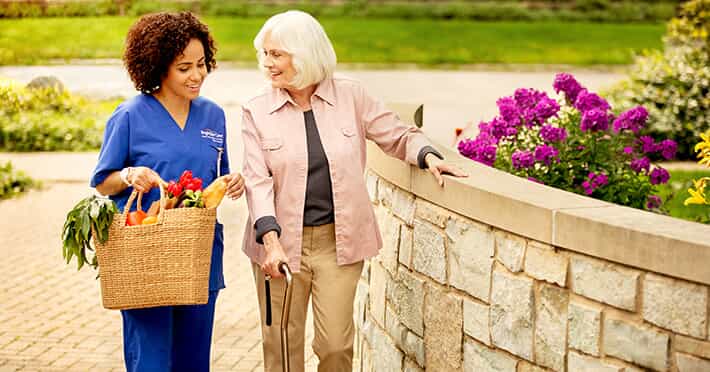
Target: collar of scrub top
<point>324,91</point>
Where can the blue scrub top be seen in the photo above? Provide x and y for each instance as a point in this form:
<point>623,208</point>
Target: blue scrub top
<point>141,132</point>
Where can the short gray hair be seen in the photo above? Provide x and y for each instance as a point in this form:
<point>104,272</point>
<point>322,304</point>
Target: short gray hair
<point>303,37</point>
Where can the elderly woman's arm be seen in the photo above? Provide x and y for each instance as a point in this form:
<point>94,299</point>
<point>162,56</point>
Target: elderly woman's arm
<point>260,196</point>
<point>401,140</point>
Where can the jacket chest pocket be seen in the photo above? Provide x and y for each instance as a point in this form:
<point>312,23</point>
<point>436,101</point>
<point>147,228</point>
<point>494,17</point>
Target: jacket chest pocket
<point>274,152</point>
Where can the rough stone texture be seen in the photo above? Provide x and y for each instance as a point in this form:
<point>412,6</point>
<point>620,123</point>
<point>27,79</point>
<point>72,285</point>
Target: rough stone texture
<point>443,321</point>
<point>371,183</point>
<point>551,327</point>
<point>477,357</point>
<point>385,355</point>
<point>366,271</point>
<point>581,363</point>
<point>512,305</point>
<point>510,250</point>
<point>677,305</point>
<point>431,212</point>
<point>378,288</point>
<point>385,191</point>
<point>429,251</point>
<point>410,366</point>
<point>403,205</point>
<point>689,363</point>
<point>605,282</point>
<point>361,299</point>
<point>524,366</point>
<point>584,328</point>
<point>414,348</point>
<point>406,295</point>
<point>394,328</point>
<point>471,250</point>
<point>406,240</point>
<point>632,343</point>
<point>366,358</point>
<point>543,263</point>
<point>692,346</point>
<point>476,321</point>
<point>389,227</point>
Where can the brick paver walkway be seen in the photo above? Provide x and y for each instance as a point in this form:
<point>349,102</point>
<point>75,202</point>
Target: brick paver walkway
<point>51,318</point>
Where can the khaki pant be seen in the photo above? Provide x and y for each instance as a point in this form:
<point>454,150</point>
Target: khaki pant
<point>333,290</point>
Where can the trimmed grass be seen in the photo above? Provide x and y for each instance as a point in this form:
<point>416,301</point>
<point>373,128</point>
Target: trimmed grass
<point>377,41</point>
<point>677,190</point>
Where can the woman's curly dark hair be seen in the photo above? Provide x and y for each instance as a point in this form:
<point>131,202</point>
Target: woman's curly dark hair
<point>155,40</point>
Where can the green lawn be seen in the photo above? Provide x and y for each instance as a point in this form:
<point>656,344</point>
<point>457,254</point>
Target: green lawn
<point>380,41</point>
<point>677,189</point>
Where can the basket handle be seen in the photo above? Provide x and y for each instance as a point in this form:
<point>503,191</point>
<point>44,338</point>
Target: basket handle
<point>135,193</point>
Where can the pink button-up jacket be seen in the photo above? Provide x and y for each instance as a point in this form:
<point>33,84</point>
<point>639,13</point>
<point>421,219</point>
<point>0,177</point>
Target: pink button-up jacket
<point>276,164</point>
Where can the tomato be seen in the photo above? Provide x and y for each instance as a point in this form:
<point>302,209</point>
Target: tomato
<point>149,220</point>
<point>135,218</point>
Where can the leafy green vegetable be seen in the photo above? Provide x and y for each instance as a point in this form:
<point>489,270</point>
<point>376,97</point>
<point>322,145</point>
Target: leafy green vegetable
<point>92,215</point>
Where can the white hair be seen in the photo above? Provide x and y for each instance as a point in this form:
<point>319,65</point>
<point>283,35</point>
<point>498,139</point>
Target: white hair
<point>301,36</point>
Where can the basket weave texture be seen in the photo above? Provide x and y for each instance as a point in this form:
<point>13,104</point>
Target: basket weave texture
<point>166,263</point>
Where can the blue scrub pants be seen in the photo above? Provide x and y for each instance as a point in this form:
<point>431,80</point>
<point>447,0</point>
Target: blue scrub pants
<point>169,338</point>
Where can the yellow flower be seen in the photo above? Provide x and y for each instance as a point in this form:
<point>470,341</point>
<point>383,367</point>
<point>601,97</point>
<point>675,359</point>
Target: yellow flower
<point>696,198</point>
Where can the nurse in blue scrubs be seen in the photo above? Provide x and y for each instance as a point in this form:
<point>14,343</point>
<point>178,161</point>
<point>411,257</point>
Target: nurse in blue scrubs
<point>155,136</point>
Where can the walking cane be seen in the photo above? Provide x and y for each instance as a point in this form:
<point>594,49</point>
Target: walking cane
<point>286,310</point>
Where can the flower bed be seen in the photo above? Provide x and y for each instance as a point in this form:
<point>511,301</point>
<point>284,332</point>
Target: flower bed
<point>574,143</point>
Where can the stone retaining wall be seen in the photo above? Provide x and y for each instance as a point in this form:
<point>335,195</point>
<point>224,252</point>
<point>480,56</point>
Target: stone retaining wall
<point>501,274</point>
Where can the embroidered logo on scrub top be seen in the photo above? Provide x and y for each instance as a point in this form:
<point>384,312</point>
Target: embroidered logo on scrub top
<point>213,136</point>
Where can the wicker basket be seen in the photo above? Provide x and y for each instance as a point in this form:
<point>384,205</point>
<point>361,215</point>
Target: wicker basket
<point>167,263</point>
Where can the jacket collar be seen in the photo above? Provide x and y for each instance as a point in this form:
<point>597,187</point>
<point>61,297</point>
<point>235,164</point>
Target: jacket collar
<point>324,91</point>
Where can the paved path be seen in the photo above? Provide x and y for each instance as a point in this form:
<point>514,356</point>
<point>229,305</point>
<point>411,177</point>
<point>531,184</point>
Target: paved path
<point>51,316</point>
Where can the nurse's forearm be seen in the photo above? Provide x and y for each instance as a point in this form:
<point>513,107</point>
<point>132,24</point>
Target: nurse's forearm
<point>112,185</point>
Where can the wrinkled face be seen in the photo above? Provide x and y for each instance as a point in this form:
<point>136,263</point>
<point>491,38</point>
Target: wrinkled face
<point>277,63</point>
<point>187,72</point>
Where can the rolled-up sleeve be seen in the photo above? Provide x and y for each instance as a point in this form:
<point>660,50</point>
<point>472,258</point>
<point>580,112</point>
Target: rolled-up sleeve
<point>257,179</point>
<point>384,127</point>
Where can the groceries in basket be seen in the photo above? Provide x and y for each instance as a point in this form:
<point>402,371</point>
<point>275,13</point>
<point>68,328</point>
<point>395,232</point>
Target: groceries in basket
<point>91,217</point>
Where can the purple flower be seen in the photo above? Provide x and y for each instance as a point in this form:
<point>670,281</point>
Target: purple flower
<point>628,150</point>
<point>545,109</point>
<point>590,101</point>
<point>535,180</point>
<point>545,154</point>
<point>487,155</point>
<point>594,120</point>
<point>637,165</point>
<point>509,110</point>
<point>522,159</point>
<point>567,84</point>
<point>668,149</point>
<point>594,181</point>
<point>633,119</point>
<point>553,134</point>
<point>654,202</point>
<point>648,146</point>
<point>527,98</point>
<point>482,149</point>
<point>659,176</point>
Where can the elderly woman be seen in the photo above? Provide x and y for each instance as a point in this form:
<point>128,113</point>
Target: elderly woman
<point>304,143</point>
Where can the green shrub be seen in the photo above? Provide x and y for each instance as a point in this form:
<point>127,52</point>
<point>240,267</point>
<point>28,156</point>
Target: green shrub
<point>13,182</point>
<point>674,85</point>
<point>49,119</point>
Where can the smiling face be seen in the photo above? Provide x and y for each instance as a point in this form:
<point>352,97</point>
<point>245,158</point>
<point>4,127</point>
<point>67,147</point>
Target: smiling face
<point>277,63</point>
<point>187,72</point>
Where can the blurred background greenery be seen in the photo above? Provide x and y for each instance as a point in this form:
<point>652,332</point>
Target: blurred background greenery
<point>431,33</point>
